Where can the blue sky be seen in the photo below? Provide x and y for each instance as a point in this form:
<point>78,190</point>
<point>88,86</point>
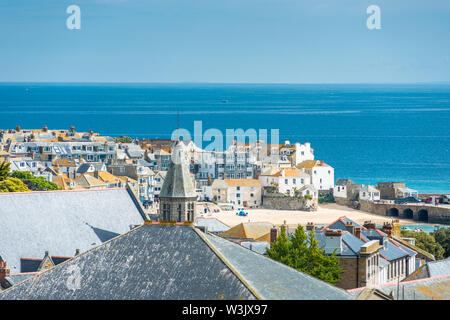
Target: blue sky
<point>272,41</point>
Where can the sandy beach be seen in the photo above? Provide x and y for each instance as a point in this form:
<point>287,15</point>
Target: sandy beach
<point>326,214</point>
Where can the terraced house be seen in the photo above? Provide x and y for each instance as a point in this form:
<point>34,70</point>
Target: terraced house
<point>240,192</point>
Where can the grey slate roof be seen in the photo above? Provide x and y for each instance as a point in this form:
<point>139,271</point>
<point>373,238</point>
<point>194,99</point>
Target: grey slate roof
<point>392,252</point>
<point>62,221</point>
<point>273,280</point>
<point>149,262</point>
<point>212,224</point>
<point>340,224</point>
<point>351,245</point>
<point>14,279</point>
<point>437,288</point>
<point>439,268</point>
<point>178,182</point>
<point>172,262</point>
<point>257,246</point>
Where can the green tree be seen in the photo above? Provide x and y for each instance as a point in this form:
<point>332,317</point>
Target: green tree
<point>4,170</point>
<point>12,185</point>
<point>280,249</point>
<point>302,252</point>
<point>320,265</point>
<point>425,242</point>
<point>34,183</point>
<point>442,237</point>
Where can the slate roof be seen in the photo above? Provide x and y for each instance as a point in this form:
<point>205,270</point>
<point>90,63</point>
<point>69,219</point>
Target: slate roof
<point>178,182</point>
<point>437,288</point>
<point>172,262</point>
<point>62,221</point>
<point>394,250</point>
<point>212,224</point>
<point>257,246</point>
<point>32,265</point>
<point>340,224</point>
<point>16,278</point>
<point>351,245</point>
<point>259,272</point>
<point>432,269</point>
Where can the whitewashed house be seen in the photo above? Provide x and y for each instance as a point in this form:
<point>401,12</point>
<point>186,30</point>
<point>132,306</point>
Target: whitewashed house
<point>287,180</point>
<point>322,174</point>
<point>369,193</point>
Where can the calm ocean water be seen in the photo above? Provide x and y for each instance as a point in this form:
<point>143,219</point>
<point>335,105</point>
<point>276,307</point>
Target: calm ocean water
<point>368,133</point>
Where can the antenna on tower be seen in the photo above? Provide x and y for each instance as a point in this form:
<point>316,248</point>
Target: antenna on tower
<point>178,125</point>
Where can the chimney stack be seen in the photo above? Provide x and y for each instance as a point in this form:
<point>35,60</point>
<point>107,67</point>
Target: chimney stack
<point>369,225</point>
<point>350,227</point>
<point>273,234</point>
<point>4,272</point>
<point>396,228</point>
<point>357,232</point>
<point>387,228</point>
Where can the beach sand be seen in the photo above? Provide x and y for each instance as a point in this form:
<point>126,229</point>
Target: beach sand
<point>327,213</point>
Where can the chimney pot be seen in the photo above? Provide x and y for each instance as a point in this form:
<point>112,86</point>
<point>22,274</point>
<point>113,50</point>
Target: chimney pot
<point>309,226</point>
<point>273,234</point>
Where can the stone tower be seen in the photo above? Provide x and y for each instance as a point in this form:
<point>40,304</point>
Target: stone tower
<point>177,199</point>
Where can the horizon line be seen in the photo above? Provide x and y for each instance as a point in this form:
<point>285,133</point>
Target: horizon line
<point>221,83</point>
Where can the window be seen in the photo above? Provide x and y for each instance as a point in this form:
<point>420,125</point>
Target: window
<point>294,181</point>
<point>302,181</point>
<point>286,181</point>
<point>238,195</point>
<point>238,188</point>
<point>251,195</point>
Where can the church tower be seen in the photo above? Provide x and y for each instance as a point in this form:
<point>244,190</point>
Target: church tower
<point>177,199</point>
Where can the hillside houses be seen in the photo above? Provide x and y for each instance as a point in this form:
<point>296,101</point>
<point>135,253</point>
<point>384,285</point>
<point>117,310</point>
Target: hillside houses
<point>67,156</point>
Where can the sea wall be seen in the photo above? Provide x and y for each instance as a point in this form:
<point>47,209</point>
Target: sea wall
<point>417,212</point>
<point>280,202</point>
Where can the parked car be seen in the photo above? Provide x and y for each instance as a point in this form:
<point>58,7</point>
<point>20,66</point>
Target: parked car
<point>445,199</point>
<point>408,200</point>
<point>430,199</point>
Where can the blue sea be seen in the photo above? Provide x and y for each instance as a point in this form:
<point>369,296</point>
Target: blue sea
<point>368,133</point>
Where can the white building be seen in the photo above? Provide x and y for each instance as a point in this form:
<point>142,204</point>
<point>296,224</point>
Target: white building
<point>287,180</point>
<point>322,174</point>
<point>369,193</point>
